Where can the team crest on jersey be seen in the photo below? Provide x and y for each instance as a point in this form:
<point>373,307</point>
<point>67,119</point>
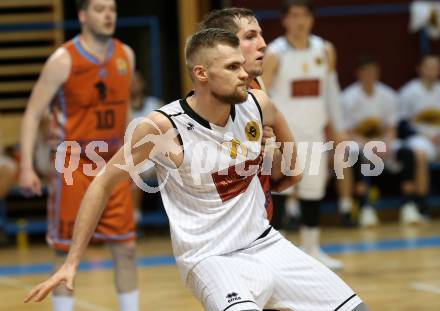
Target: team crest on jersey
<point>122,66</point>
<point>252,131</point>
<point>236,148</point>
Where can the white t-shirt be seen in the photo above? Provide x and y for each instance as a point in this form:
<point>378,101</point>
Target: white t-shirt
<point>421,106</point>
<point>369,115</point>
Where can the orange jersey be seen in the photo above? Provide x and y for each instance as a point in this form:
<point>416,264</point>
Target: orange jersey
<point>264,179</point>
<point>92,105</point>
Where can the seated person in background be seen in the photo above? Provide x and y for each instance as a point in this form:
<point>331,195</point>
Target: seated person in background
<point>8,170</point>
<point>419,111</point>
<point>419,108</point>
<point>370,109</point>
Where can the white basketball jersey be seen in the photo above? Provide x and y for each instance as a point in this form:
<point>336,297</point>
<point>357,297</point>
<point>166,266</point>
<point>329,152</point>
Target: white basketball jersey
<point>212,206</point>
<point>420,105</point>
<point>298,86</point>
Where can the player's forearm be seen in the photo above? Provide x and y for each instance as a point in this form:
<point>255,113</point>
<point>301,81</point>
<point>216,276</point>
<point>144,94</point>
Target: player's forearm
<point>289,153</point>
<point>333,100</point>
<point>92,206</point>
<point>29,130</point>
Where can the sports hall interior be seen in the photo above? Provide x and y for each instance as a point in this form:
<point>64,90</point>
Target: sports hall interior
<point>391,266</point>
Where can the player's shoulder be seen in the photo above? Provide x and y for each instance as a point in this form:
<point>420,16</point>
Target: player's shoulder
<point>259,95</point>
<point>385,89</point>
<point>264,104</point>
<point>127,49</point>
<point>351,90</point>
<point>410,87</point>
<point>161,119</point>
<point>279,45</point>
<point>58,65</point>
<point>60,57</point>
<point>329,46</point>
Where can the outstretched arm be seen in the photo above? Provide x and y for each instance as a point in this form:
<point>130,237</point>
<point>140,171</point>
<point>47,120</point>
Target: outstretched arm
<point>95,200</point>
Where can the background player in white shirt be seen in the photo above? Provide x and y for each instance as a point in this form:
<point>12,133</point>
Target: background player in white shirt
<point>419,106</point>
<point>227,253</point>
<point>300,74</point>
<point>370,112</point>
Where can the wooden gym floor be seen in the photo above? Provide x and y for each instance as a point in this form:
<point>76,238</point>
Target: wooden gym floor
<point>390,267</point>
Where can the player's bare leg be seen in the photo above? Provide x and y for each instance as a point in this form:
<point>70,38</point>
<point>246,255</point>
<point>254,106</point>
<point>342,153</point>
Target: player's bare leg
<point>345,204</point>
<point>422,180</point>
<point>126,278</point>
<point>409,213</point>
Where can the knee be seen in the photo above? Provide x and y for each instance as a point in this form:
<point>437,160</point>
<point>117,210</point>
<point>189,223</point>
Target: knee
<point>124,251</point>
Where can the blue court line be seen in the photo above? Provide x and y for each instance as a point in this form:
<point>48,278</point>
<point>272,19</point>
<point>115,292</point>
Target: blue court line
<point>339,248</point>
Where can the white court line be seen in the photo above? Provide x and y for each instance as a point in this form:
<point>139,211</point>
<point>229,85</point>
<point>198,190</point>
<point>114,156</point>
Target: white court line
<point>424,287</point>
<point>84,304</point>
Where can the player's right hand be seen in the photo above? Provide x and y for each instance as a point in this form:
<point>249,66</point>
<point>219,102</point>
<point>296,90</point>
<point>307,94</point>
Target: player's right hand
<point>30,183</point>
<point>65,274</point>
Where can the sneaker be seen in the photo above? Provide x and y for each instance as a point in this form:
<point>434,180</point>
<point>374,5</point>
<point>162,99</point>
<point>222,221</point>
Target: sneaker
<point>410,215</point>
<point>331,263</point>
<point>368,217</point>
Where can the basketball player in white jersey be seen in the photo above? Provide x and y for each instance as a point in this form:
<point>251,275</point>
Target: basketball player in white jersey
<point>419,105</point>
<point>225,249</point>
<point>300,74</point>
<point>370,113</point>
<point>243,23</point>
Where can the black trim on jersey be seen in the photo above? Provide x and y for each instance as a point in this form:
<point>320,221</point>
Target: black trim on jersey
<point>342,304</point>
<point>191,113</point>
<point>265,233</point>
<point>244,301</point>
<point>233,112</point>
<point>258,106</point>
<point>172,122</point>
<point>176,114</point>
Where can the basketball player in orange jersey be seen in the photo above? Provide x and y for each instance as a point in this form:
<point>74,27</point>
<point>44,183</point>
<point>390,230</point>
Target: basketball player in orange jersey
<point>86,84</point>
<point>243,23</point>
